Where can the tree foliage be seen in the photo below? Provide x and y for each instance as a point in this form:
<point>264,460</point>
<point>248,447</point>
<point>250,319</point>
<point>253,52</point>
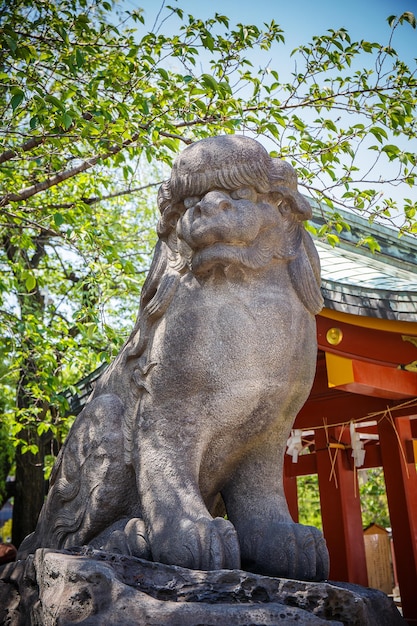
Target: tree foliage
<point>371,492</point>
<point>88,97</point>
<point>309,510</point>
<point>81,92</point>
<point>374,499</point>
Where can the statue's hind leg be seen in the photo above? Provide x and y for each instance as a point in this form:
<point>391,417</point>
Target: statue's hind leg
<point>270,542</point>
<point>92,491</point>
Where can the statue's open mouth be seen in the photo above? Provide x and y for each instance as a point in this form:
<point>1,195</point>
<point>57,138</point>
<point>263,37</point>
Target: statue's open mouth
<point>224,254</point>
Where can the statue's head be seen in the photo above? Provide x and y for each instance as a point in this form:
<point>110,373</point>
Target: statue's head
<point>227,203</point>
<point>228,211</point>
<point>228,163</point>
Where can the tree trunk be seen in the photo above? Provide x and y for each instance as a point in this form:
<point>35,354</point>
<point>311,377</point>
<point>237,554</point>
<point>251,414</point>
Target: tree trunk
<point>30,489</point>
<point>29,482</point>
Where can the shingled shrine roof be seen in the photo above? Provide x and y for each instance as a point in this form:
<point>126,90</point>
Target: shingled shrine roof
<point>382,284</point>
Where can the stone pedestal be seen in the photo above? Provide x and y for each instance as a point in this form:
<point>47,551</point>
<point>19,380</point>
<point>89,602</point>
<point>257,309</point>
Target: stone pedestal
<point>103,589</point>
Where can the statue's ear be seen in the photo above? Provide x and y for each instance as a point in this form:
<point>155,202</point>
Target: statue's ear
<point>304,272</point>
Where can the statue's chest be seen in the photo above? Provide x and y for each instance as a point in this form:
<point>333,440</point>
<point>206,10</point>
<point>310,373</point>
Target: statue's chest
<point>232,329</point>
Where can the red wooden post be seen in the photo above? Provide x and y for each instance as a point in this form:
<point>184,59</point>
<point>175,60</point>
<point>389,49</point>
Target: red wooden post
<point>401,485</point>
<point>340,510</point>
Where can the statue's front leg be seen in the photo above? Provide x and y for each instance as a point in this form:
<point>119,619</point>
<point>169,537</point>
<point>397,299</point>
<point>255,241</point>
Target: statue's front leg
<point>271,543</point>
<point>179,527</point>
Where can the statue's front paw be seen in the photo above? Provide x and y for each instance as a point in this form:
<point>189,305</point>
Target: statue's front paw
<point>287,550</point>
<point>205,544</point>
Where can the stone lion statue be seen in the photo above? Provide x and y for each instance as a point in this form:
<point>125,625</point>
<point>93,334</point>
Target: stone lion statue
<point>193,415</point>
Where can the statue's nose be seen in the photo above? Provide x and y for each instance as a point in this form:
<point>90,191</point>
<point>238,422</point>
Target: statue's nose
<point>212,203</point>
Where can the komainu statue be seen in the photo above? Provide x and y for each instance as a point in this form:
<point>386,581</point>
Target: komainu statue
<point>191,419</point>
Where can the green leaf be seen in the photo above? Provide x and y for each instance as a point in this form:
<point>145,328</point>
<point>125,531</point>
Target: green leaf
<point>379,133</point>
<point>391,150</point>
<point>163,73</point>
<point>42,428</point>
<point>57,103</point>
<point>366,46</point>
<point>409,17</point>
<point>172,144</point>
<point>225,87</point>
<point>332,239</point>
<point>207,41</point>
<point>30,282</point>
<point>209,82</point>
<point>66,120</point>
<point>17,99</point>
<point>79,57</point>
<point>58,219</point>
<point>11,43</point>
<point>200,105</point>
<point>33,448</point>
<point>371,243</point>
<point>63,33</point>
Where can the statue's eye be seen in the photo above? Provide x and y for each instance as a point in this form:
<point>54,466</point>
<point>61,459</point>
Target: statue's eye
<point>189,202</point>
<point>244,193</point>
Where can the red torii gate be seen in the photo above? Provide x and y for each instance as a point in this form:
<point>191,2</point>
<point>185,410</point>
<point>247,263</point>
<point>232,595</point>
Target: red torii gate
<point>366,374</point>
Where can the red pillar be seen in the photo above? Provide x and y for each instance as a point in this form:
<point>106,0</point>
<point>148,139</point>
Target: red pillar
<point>340,509</point>
<point>401,485</point>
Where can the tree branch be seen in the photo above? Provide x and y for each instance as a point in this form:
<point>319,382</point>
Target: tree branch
<point>33,143</point>
<point>28,145</point>
<point>46,231</point>
<point>95,199</point>
<point>64,175</point>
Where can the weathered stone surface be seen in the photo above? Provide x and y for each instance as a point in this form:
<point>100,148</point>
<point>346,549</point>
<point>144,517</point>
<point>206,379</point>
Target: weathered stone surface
<point>102,589</point>
<point>197,407</point>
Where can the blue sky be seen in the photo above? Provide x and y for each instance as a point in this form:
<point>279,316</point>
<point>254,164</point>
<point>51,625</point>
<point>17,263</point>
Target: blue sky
<point>301,19</point>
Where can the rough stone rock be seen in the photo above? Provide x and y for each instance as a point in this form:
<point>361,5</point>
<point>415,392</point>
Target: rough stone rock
<point>98,588</point>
